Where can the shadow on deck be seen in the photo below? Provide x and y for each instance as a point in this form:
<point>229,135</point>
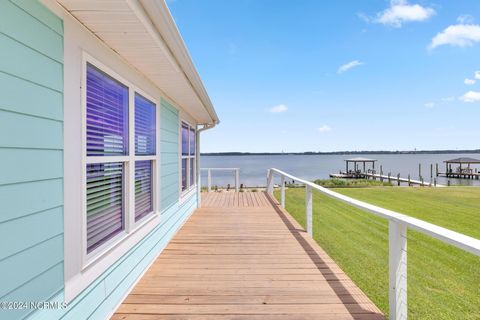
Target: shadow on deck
<point>241,256</point>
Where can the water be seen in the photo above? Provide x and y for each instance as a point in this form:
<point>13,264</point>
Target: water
<point>310,167</point>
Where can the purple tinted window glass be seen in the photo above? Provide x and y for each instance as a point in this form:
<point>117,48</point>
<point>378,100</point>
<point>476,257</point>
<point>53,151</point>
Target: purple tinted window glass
<point>184,174</point>
<point>105,217</point>
<point>144,126</point>
<point>192,171</point>
<point>107,115</point>
<point>143,189</point>
<point>184,140</point>
<point>192,142</point>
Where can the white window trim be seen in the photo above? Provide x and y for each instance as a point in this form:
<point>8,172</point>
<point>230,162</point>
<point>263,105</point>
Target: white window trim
<point>191,188</point>
<point>98,261</point>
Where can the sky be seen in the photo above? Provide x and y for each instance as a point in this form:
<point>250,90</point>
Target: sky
<point>295,76</point>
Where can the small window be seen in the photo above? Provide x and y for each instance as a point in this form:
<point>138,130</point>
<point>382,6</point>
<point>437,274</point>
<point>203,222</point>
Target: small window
<point>105,203</point>
<point>143,189</point>
<point>188,156</point>
<point>144,126</point>
<point>107,115</point>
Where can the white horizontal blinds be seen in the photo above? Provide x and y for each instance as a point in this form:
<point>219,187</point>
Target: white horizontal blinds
<point>143,189</point>
<point>104,202</point>
<point>107,114</point>
<point>106,135</point>
<point>145,144</point>
<point>144,126</point>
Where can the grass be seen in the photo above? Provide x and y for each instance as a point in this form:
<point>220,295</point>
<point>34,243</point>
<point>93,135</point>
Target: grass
<point>443,281</point>
<point>354,183</point>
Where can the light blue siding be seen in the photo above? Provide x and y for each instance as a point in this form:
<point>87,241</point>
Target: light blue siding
<point>102,297</point>
<point>169,174</point>
<point>31,154</point>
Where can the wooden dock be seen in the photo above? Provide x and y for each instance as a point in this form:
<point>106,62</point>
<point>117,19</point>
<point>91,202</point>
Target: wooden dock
<point>460,175</point>
<point>397,178</point>
<point>405,180</point>
<point>242,257</point>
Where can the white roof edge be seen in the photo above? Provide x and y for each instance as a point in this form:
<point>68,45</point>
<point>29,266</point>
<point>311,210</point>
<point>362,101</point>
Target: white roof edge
<point>170,34</point>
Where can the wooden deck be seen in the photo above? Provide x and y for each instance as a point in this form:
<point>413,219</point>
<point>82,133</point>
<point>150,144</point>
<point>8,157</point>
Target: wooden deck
<point>242,257</point>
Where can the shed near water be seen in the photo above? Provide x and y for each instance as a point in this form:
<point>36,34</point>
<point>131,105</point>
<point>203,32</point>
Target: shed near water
<point>364,161</point>
<point>461,171</point>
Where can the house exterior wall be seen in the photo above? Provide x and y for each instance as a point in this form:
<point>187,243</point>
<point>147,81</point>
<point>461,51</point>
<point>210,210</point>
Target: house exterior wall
<point>169,150</point>
<point>31,154</point>
<point>101,298</point>
<point>39,74</point>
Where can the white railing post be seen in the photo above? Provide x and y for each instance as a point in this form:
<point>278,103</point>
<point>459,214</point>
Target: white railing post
<point>209,180</point>
<point>397,266</point>
<point>282,191</point>
<point>308,209</point>
<point>269,181</point>
<point>237,180</point>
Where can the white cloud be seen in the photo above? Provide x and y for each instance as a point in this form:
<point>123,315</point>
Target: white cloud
<point>347,66</point>
<point>400,11</point>
<point>469,82</point>
<point>459,35</point>
<point>448,99</point>
<point>278,108</point>
<point>465,19</point>
<point>429,105</point>
<point>471,96</point>
<point>324,129</point>
<point>477,75</point>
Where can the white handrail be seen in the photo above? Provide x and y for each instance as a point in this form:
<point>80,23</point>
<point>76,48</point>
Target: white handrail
<point>236,172</point>
<point>398,225</point>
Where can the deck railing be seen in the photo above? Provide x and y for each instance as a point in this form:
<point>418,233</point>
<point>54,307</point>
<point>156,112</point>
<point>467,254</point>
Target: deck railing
<point>397,236</point>
<point>236,173</point>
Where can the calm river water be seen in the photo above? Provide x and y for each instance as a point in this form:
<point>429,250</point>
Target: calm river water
<point>253,168</point>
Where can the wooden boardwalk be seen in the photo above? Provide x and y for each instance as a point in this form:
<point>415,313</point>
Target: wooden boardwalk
<point>242,257</point>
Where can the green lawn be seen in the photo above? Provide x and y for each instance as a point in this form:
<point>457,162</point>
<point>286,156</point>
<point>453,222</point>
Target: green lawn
<point>443,281</point>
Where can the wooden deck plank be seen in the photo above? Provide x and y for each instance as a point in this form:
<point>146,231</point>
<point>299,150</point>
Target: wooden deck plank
<point>241,256</point>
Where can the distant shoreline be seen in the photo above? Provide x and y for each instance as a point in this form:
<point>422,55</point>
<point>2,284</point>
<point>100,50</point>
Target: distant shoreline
<point>309,153</point>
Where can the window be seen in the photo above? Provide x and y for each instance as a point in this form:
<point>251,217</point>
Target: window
<point>120,160</point>
<point>188,156</point>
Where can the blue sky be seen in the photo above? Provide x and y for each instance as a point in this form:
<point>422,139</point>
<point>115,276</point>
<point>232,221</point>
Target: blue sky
<point>337,75</point>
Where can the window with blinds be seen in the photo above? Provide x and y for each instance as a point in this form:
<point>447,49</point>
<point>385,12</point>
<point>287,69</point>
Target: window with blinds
<point>110,158</point>
<point>143,189</point>
<point>188,156</point>
<point>144,126</point>
<point>107,115</point>
<point>105,203</point>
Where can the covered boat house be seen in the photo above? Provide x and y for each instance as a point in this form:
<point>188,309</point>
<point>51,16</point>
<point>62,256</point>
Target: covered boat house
<point>461,168</point>
<point>356,162</point>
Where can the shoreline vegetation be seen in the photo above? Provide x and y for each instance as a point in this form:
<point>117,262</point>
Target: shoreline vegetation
<point>338,152</point>
<point>355,183</point>
<point>327,183</point>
